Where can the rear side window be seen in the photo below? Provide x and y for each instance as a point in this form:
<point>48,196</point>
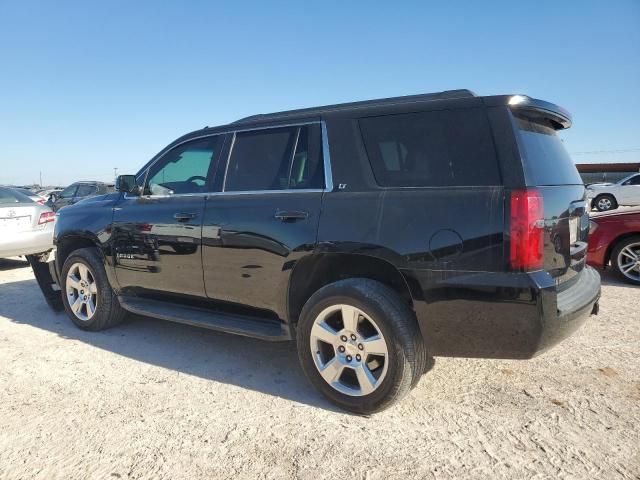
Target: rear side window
<point>276,159</point>
<point>431,149</point>
<point>546,161</point>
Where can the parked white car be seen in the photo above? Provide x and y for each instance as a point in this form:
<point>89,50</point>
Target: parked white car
<point>608,196</point>
<point>26,227</point>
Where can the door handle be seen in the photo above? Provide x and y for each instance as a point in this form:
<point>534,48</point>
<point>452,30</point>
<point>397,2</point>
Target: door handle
<point>184,216</point>
<point>291,215</point>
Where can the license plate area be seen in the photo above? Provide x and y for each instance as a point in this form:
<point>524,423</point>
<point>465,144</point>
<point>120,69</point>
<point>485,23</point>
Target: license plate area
<point>13,224</point>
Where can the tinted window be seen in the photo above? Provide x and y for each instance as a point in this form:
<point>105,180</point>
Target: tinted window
<point>546,162</point>
<point>68,192</point>
<point>442,148</point>
<point>85,190</point>
<point>185,169</point>
<point>307,170</point>
<point>275,159</point>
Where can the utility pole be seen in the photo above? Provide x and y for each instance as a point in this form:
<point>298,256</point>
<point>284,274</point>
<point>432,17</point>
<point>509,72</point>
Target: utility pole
<point>40,178</point>
<point>115,172</point>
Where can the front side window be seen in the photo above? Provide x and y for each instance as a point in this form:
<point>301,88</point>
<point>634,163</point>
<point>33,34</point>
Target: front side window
<point>633,181</point>
<point>276,159</point>
<point>185,169</point>
<point>431,149</point>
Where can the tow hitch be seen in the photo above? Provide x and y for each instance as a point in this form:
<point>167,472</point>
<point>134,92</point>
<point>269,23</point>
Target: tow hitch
<point>44,269</point>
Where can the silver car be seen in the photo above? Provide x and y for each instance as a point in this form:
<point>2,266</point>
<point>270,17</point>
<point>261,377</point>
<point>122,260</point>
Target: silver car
<point>26,227</point>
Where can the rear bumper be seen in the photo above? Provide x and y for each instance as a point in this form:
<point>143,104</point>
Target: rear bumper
<point>500,315</point>
<point>563,313</point>
<point>27,243</point>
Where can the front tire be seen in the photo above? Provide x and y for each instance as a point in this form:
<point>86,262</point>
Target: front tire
<point>625,259</point>
<point>359,344</point>
<point>606,202</point>
<point>86,293</point>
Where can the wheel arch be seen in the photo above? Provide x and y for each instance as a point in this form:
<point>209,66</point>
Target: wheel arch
<point>68,243</point>
<point>315,271</point>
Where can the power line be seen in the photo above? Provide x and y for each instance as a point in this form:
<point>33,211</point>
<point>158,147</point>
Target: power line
<point>627,150</point>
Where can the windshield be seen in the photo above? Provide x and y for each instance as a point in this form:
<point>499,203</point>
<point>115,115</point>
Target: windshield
<point>546,161</point>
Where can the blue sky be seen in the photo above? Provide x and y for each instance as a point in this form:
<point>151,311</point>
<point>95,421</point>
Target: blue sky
<point>89,86</point>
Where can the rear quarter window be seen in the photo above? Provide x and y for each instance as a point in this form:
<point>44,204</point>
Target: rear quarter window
<point>546,161</point>
<point>431,149</point>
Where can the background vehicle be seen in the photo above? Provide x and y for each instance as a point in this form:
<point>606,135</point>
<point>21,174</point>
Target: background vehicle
<point>608,196</point>
<point>26,227</point>
<point>76,192</point>
<point>32,195</point>
<point>377,234</point>
<point>615,240</point>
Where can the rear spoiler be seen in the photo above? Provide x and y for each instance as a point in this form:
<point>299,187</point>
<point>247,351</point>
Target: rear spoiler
<point>531,107</point>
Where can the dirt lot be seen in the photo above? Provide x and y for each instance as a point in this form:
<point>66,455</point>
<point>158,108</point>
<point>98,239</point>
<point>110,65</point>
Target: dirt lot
<point>151,399</point>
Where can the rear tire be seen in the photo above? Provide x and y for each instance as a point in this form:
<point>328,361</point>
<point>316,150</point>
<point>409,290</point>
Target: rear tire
<point>86,293</point>
<point>622,259</point>
<point>605,202</point>
<point>386,371</point>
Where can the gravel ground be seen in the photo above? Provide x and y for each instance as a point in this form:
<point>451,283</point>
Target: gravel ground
<point>152,399</point>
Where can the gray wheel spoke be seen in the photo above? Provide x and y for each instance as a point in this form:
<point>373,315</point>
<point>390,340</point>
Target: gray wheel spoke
<point>93,288</point>
<point>627,252</point>
<point>91,308</point>
<point>332,370</point>
<point>375,345</point>
<point>77,305</point>
<point>627,267</point>
<point>323,332</point>
<point>350,317</point>
<point>73,282</point>
<point>83,272</point>
<point>366,380</point>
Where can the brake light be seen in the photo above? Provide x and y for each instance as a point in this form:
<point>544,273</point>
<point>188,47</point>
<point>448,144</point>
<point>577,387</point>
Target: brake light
<point>526,230</point>
<point>41,201</point>
<point>46,217</point>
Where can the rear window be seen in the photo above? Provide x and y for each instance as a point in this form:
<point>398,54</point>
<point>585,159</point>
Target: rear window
<point>431,149</point>
<point>546,161</point>
<point>9,196</point>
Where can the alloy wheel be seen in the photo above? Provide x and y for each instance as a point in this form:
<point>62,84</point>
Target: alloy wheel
<point>629,261</point>
<point>349,350</point>
<point>82,291</point>
<point>605,204</point>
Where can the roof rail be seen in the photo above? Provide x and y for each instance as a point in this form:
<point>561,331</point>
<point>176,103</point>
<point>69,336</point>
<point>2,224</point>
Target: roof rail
<point>444,95</point>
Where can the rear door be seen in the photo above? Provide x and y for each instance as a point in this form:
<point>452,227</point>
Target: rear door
<point>549,168</point>
<point>266,217</point>
<point>630,191</point>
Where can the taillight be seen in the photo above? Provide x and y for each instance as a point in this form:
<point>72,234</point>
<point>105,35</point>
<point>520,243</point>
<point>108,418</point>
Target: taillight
<point>46,217</point>
<point>41,201</point>
<point>526,231</point>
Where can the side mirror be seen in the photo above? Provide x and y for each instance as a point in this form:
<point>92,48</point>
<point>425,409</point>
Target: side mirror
<point>127,184</point>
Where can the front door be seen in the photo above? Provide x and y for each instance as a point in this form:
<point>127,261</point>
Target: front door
<point>630,191</point>
<point>266,218</point>
<point>157,237</point>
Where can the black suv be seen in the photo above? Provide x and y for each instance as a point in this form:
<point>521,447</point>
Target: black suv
<point>77,191</point>
<point>376,234</point>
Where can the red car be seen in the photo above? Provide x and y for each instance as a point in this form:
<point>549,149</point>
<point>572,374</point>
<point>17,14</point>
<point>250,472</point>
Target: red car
<point>615,237</point>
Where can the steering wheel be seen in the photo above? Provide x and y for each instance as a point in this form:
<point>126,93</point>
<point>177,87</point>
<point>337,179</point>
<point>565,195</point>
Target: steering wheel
<point>196,177</point>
